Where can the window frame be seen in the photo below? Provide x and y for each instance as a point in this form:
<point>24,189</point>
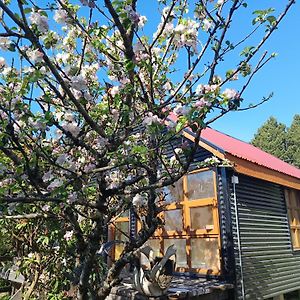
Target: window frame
<point>187,233</point>
<point>112,235</point>
<point>295,243</point>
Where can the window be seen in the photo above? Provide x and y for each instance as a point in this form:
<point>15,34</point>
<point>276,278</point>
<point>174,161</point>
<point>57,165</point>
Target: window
<point>191,223</point>
<point>120,232</point>
<point>293,207</point>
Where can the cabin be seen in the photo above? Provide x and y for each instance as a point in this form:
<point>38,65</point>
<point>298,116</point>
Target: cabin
<point>236,227</point>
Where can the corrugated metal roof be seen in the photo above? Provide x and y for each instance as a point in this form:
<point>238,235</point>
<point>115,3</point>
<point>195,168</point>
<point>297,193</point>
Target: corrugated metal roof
<point>247,152</point>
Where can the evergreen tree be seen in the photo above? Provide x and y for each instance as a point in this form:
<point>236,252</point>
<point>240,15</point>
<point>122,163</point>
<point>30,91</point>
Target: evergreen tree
<point>271,137</point>
<point>293,142</point>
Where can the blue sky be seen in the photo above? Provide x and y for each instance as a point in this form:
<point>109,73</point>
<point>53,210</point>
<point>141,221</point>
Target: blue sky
<point>280,76</point>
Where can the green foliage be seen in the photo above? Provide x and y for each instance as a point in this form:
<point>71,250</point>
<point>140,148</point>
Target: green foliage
<point>271,137</point>
<point>293,142</point>
<point>280,141</point>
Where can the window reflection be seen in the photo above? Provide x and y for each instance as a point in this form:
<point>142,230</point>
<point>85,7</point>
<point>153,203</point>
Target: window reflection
<point>205,253</point>
<point>180,245</point>
<point>174,193</point>
<point>120,236</point>
<point>201,185</point>
<point>201,217</point>
<point>173,220</point>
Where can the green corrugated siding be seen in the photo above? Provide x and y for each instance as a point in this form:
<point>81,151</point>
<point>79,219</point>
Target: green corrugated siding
<point>270,267</point>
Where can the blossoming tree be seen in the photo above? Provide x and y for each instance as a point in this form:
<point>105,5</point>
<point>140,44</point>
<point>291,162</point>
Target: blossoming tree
<point>85,101</point>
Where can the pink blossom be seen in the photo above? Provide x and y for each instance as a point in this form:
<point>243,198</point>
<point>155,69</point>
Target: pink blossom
<point>132,15</point>
<point>230,94</point>
<point>142,21</point>
<point>62,159</point>
<point>167,86</point>
<point>200,103</point>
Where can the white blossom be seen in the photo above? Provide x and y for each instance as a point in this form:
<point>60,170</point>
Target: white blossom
<point>79,83</point>
<point>60,16</point>
<point>35,55</point>
<point>68,235</point>
<point>181,109</point>
<point>55,184</point>
<point>206,24</point>
<point>4,43</point>
<point>139,200</point>
<point>40,21</point>
<point>72,128</point>
<point>151,119</point>
<point>2,62</point>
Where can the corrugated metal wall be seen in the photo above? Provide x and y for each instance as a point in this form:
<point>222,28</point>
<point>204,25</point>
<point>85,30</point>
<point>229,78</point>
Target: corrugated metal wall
<point>270,267</point>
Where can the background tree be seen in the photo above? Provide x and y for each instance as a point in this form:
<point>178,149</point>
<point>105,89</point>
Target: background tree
<point>272,138</point>
<point>293,142</point>
<point>281,141</point>
<point>85,98</point>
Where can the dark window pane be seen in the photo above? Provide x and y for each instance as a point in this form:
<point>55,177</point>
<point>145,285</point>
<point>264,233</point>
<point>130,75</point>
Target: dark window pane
<point>201,185</point>
<point>201,217</point>
<point>180,245</point>
<point>173,220</point>
<point>205,253</point>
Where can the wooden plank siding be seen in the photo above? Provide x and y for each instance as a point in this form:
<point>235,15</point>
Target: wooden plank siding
<point>270,266</point>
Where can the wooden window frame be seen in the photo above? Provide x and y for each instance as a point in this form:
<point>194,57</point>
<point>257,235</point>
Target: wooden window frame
<point>294,223</point>
<point>187,233</point>
<point>113,230</point>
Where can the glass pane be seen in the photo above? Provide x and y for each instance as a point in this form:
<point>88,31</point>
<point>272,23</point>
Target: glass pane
<point>120,228</point>
<point>293,237</point>
<point>297,216</point>
<point>173,220</point>
<point>155,245</point>
<point>297,233</point>
<point>201,185</point>
<point>180,245</point>
<point>201,217</point>
<point>174,193</point>
<point>124,227</point>
<point>293,217</point>
<point>205,253</point>
<point>125,214</point>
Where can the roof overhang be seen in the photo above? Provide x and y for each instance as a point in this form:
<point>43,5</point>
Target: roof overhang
<point>246,167</point>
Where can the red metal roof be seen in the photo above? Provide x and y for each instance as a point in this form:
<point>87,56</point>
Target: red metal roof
<point>248,152</point>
